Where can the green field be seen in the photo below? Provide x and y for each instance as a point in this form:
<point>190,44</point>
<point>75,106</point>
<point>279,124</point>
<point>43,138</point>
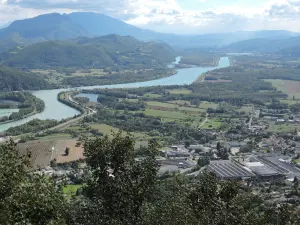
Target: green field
<point>285,128</point>
<point>292,88</point>
<point>162,104</point>
<point>172,115</point>
<point>107,130</point>
<point>182,91</point>
<point>70,190</point>
<point>212,124</point>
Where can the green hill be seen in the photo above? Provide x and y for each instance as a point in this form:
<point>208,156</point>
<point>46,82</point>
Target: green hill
<point>14,80</point>
<point>101,52</point>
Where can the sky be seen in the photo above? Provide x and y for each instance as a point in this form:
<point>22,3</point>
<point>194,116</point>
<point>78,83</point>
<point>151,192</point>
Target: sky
<point>172,16</point>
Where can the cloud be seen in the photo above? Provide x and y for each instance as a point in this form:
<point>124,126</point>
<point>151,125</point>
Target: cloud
<point>168,15</point>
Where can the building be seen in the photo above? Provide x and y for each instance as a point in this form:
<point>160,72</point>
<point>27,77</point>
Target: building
<point>230,170</point>
<point>263,172</point>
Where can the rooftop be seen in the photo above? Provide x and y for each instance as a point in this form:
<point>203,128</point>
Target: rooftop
<point>227,169</point>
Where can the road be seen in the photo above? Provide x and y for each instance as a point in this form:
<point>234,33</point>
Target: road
<point>89,112</point>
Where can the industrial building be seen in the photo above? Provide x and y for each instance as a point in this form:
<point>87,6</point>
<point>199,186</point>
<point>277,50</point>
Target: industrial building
<point>230,170</point>
<point>265,168</point>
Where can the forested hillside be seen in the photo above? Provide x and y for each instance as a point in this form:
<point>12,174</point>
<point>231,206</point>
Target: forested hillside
<point>52,26</point>
<point>101,52</point>
<point>14,80</point>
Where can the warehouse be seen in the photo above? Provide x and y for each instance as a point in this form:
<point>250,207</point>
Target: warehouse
<point>229,170</point>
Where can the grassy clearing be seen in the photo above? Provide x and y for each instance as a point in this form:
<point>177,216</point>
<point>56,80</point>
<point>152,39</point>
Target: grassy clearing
<point>161,104</point>
<point>285,128</point>
<point>107,130</point>
<point>93,72</point>
<point>174,107</point>
<point>206,105</point>
<point>166,114</point>
<point>150,95</point>
<point>182,91</point>
<point>212,124</point>
<point>70,190</point>
<point>55,137</point>
<point>292,88</point>
<point>289,101</point>
<point>181,103</point>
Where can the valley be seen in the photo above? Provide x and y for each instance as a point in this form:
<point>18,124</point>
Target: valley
<point>104,122</point>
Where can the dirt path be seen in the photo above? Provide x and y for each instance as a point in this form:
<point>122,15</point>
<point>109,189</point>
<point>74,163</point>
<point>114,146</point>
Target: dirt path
<point>206,119</point>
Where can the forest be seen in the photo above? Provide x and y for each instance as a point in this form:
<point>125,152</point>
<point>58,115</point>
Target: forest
<point>15,80</point>
<point>101,52</point>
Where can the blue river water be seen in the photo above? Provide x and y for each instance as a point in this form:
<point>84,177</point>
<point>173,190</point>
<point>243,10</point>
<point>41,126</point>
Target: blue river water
<point>58,111</point>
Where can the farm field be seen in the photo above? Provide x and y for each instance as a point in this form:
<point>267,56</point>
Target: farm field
<point>212,124</point>
<point>182,91</point>
<point>285,128</point>
<point>41,152</point>
<point>292,88</point>
<point>76,152</point>
<point>171,115</point>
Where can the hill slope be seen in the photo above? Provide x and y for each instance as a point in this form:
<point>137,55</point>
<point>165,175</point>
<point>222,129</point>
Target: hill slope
<point>102,52</point>
<point>264,45</point>
<point>14,80</point>
<point>45,27</point>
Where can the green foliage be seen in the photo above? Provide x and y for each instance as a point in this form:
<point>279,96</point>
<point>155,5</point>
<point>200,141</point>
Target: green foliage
<point>25,197</point>
<point>125,183</point>
<point>14,80</point>
<point>100,52</point>
<point>33,126</point>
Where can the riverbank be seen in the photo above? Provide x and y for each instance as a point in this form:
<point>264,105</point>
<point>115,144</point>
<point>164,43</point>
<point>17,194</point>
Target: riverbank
<point>58,111</point>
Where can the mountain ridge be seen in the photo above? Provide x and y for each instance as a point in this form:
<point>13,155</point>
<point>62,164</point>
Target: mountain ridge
<point>55,26</point>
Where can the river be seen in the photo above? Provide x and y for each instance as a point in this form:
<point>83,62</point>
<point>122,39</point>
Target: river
<point>58,111</point>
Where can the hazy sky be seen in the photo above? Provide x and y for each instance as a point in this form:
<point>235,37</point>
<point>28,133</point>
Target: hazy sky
<point>177,16</point>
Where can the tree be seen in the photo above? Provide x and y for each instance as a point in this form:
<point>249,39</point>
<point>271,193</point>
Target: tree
<point>120,185</point>
<point>223,154</point>
<point>26,197</point>
<point>67,151</point>
<point>203,161</point>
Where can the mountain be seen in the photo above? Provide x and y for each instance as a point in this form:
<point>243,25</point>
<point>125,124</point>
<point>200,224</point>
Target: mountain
<point>55,26</point>
<point>100,52</point>
<point>264,45</point>
<point>14,80</point>
<point>52,26</point>
<point>101,25</point>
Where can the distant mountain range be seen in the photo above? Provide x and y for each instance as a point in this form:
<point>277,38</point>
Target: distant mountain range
<point>100,52</point>
<point>283,46</point>
<point>83,24</point>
